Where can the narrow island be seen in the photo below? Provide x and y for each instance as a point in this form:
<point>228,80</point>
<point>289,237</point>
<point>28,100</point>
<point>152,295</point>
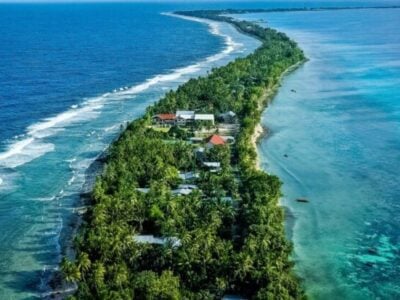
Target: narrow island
<point>181,210</point>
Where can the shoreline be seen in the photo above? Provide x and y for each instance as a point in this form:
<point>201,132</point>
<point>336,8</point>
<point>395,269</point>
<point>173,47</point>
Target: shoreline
<point>250,132</point>
<point>260,131</point>
<point>17,148</point>
<point>58,288</point>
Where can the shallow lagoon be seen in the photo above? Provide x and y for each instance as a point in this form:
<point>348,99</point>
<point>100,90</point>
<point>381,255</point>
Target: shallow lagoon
<point>337,118</point>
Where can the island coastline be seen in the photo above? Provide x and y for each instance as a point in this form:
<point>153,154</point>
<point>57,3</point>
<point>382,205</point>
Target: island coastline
<point>260,131</point>
<point>262,101</point>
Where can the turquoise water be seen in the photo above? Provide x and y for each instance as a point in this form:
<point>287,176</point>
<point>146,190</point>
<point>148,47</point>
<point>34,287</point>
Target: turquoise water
<point>71,76</point>
<point>337,118</point>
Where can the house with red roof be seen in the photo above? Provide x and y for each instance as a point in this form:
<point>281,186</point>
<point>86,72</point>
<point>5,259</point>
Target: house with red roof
<point>164,119</point>
<point>215,140</point>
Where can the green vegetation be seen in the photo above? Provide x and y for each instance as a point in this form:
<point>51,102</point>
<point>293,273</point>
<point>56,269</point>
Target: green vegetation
<point>217,14</point>
<point>230,229</point>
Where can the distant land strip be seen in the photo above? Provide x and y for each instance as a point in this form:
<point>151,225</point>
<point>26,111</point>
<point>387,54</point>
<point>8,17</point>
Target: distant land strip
<point>219,12</point>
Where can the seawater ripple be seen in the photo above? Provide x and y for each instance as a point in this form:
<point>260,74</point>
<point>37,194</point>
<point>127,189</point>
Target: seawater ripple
<point>30,145</point>
<point>336,128</point>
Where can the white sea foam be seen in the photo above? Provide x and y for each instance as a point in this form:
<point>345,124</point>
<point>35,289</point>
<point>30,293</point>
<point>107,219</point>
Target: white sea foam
<point>32,145</point>
<point>17,148</point>
<point>71,180</point>
<point>45,199</point>
<point>6,180</point>
<point>24,151</point>
<point>113,128</point>
<point>214,28</point>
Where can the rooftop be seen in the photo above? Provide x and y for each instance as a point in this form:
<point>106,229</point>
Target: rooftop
<point>143,190</point>
<point>187,186</point>
<point>216,140</point>
<point>185,114</point>
<point>212,164</point>
<point>182,191</point>
<point>204,117</point>
<point>166,116</point>
<point>151,239</point>
<point>188,175</point>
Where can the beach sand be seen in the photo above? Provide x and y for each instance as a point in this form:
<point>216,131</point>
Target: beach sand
<point>257,134</point>
<point>265,99</point>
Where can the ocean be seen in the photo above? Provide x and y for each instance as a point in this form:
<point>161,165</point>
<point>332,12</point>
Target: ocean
<point>72,75</point>
<point>334,139</point>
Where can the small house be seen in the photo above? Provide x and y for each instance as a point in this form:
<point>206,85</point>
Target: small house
<point>164,119</point>
<point>205,118</point>
<point>188,186</point>
<point>181,192</point>
<point>184,116</point>
<point>212,166</point>
<point>228,117</point>
<point>186,176</point>
<point>151,239</point>
<point>215,140</point>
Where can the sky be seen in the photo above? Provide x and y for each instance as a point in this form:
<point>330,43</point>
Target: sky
<point>383,2</point>
<point>188,1</point>
<point>116,1</point>
<point>85,1</point>
<point>82,1</point>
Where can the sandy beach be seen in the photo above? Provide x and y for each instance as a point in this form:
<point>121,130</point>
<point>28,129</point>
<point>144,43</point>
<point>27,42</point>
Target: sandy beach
<point>265,99</point>
<point>258,132</point>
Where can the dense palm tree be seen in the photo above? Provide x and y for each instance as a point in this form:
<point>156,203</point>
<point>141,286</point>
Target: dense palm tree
<point>70,271</point>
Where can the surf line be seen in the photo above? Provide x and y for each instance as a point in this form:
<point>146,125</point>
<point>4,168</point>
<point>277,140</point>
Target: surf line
<point>31,145</point>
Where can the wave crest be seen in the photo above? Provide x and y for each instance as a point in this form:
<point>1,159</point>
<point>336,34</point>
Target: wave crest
<point>32,145</point>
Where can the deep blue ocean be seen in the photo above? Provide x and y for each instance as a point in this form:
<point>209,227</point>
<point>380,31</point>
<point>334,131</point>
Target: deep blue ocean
<point>72,74</point>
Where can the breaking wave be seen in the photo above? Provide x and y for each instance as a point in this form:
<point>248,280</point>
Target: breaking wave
<point>33,144</point>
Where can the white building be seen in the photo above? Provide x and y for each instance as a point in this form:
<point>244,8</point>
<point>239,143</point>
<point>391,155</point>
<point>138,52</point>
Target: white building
<point>187,186</point>
<point>151,239</point>
<point>188,175</point>
<point>204,117</point>
<point>187,115</point>
<point>212,166</point>
<point>181,192</point>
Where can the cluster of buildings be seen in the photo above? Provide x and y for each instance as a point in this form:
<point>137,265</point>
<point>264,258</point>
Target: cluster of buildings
<point>184,117</point>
